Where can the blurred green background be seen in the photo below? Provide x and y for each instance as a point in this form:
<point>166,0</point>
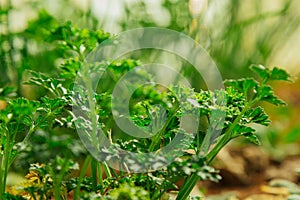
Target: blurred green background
<point>236,34</point>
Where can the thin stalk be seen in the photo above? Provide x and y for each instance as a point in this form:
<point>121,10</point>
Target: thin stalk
<point>190,183</point>
<point>100,178</point>
<point>9,39</point>
<point>92,107</point>
<point>33,127</point>
<point>156,139</point>
<point>33,195</point>
<point>5,165</point>
<point>30,131</point>
<point>81,175</point>
<point>114,173</point>
<point>7,155</point>
<point>58,178</point>
<point>1,177</point>
<point>2,174</point>
<point>1,169</point>
<point>56,184</point>
<point>228,134</point>
<point>94,174</point>
<point>107,170</point>
<point>158,193</point>
<point>187,187</point>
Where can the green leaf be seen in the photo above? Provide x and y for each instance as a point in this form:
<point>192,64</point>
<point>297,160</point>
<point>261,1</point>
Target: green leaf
<point>244,85</point>
<point>258,115</point>
<point>241,129</point>
<point>7,92</point>
<point>266,93</point>
<point>51,84</point>
<point>20,107</point>
<point>70,37</point>
<point>267,74</point>
<point>27,120</point>
<point>69,69</point>
<point>261,71</point>
<point>245,131</point>
<point>279,74</point>
<point>252,137</point>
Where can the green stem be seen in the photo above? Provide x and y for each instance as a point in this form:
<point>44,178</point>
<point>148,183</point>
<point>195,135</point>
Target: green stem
<point>156,138</point>
<point>81,175</point>
<point>100,178</point>
<point>92,107</point>
<point>2,169</point>
<point>9,39</point>
<point>5,164</point>
<point>1,177</point>
<point>190,183</point>
<point>30,131</point>
<point>107,170</point>
<point>56,183</point>
<point>94,174</point>
<point>2,174</point>
<point>58,179</point>
<point>7,155</point>
<point>33,195</point>
<point>159,192</point>
<point>228,134</point>
<point>114,173</point>
<point>187,187</point>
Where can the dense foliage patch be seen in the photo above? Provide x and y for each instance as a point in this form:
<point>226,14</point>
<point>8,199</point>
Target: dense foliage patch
<point>49,123</point>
